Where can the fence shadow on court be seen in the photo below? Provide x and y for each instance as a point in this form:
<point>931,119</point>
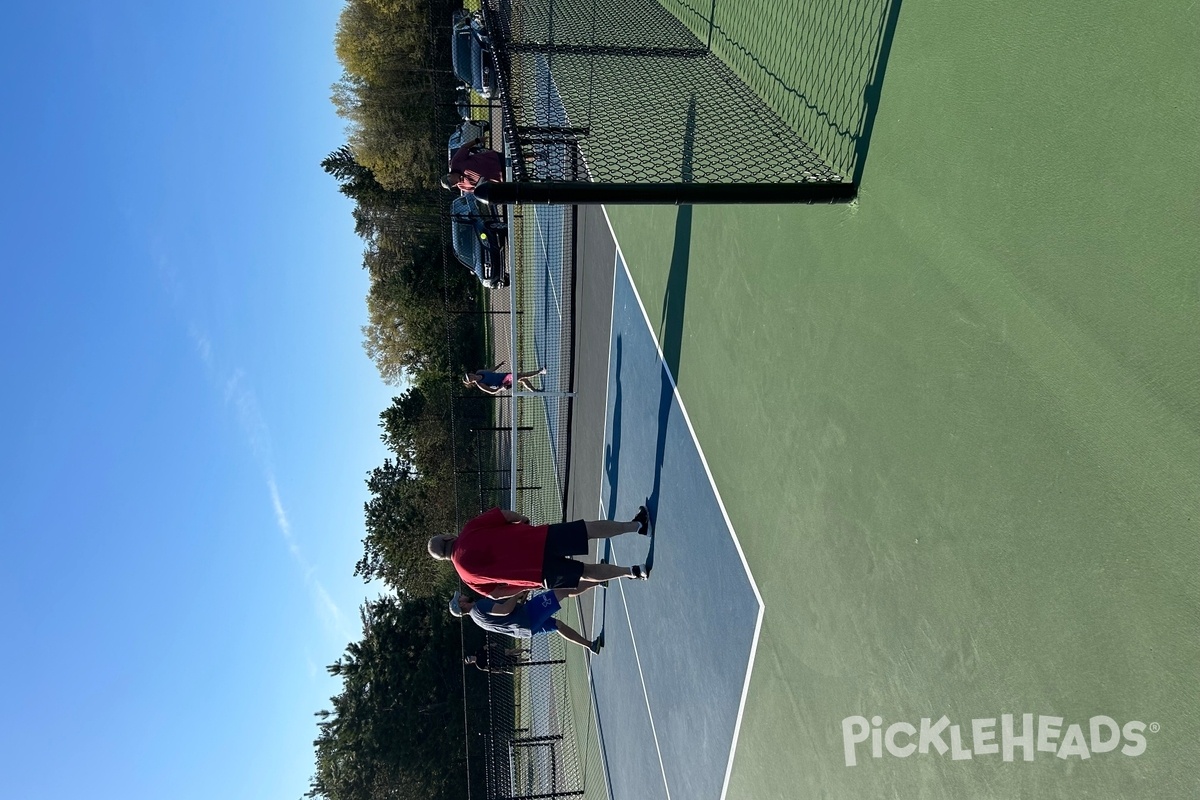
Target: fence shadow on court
<point>819,65</point>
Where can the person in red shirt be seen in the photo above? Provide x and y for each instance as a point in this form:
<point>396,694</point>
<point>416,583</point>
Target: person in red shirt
<point>500,554</point>
<point>468,166</point>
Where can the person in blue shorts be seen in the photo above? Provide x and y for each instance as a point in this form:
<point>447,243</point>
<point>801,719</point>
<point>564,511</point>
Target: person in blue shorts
<point>523,619</point>
<point>493,383</point>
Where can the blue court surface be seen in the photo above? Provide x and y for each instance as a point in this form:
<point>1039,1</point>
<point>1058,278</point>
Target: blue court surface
<point>670,681</point>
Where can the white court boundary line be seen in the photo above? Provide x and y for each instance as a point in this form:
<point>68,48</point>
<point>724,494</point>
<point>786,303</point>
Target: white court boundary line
<point>737,727</point>
<point>594,706</point>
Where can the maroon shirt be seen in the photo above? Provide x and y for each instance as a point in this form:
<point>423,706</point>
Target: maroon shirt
<point>481,164</point>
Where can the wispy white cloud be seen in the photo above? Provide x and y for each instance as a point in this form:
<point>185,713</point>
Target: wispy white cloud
<point>203,346</point>
<point>330,613</point>
<point>249,417</point>
<point>239,395</point>
<point>285,527</point>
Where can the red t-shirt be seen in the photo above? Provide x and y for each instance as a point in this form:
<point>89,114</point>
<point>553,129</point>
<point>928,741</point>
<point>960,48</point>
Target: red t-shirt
<point>495,556</point>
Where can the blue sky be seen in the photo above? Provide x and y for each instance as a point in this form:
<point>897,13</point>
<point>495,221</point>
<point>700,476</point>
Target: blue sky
<point>188,413</point>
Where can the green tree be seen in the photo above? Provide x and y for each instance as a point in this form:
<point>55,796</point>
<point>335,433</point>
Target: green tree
<point>409,325</point>
<point>386,336</point>
<point>391,86</point>
<point>386,734</point>
<point>400,517</point>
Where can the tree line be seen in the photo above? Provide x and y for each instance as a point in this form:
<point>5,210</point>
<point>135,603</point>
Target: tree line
<point>396,729</point>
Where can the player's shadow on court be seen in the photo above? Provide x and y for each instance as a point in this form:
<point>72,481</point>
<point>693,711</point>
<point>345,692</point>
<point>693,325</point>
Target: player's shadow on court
<point>612,451</point>
<point>670,337</point>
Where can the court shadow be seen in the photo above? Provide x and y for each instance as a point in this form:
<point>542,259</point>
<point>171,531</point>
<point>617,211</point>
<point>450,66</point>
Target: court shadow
<point>612,451</point>
<point>820,66</point>
<point>874,90</point>
<point>670,338</point>
<point>650,554</point>
<point>670,332</point>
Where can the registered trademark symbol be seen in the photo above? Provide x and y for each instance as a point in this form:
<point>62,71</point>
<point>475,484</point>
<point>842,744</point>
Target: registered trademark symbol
<point>1154,726</point>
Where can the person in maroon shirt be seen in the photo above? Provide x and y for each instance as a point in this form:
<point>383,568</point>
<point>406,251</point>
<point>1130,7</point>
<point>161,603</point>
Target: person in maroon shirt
<point>469,166</point>
<point>499,554</point>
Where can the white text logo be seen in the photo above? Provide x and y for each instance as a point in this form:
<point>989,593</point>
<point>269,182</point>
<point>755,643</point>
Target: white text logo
<point>984,737</point>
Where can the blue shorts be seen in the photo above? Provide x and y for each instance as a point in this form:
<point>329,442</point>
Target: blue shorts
<point>495,380</point>
<point>539,612</point>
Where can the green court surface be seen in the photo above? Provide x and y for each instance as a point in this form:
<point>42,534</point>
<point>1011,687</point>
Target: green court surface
<point>956,425</point>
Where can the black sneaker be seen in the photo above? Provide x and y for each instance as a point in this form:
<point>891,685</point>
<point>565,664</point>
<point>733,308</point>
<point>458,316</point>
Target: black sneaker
<point>639,572</point>
<point>596,644</point>
<point>642,518</point>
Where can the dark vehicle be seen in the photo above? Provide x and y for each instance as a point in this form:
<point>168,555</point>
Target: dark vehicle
<point>462,102</point>
<point>477,235</point>
<point>469,52</point>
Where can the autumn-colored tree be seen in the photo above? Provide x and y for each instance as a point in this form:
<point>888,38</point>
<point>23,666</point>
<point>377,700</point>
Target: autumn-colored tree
<point>396,77</point>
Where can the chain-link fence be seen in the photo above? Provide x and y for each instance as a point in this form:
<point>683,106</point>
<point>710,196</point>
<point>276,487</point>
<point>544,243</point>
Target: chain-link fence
<point>630,92</point>
<point>530,747</point>
<point>524,727</point>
